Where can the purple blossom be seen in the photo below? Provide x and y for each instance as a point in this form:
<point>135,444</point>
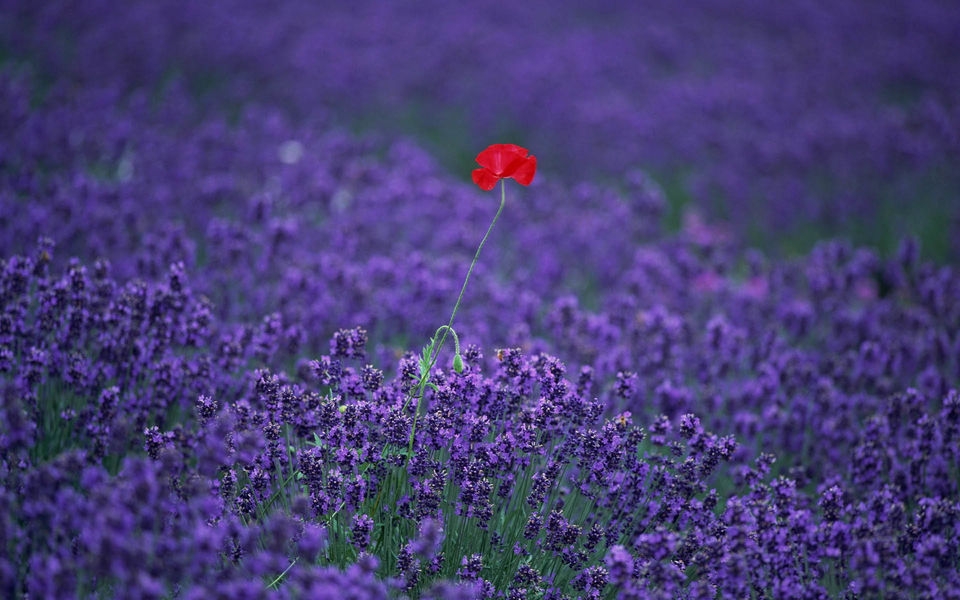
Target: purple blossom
<point>207,291</point>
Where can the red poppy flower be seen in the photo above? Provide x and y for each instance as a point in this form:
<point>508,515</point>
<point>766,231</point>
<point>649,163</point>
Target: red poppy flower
<point>501,161</point>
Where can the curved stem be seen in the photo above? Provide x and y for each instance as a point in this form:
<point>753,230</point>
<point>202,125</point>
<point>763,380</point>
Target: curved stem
<point>435,351</point>
<point>435,354</point>
<point>503,201</point>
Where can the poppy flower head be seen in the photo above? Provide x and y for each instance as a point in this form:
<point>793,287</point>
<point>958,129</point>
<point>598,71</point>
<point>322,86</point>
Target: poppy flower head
<point>502,161</point>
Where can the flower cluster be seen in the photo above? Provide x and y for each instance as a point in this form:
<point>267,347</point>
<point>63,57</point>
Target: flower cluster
<point>516,482</point>
<point>208,299</point>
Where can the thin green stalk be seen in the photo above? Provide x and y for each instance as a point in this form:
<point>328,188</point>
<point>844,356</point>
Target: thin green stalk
<point>435,348</point>
<point>503,201</point>
<point>273,584</point>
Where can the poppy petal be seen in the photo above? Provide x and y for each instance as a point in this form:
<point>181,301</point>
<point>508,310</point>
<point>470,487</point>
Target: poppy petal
<point>498,157</point>
<point>511,167</point>
<point>525,171</point>
<point>485,179</point>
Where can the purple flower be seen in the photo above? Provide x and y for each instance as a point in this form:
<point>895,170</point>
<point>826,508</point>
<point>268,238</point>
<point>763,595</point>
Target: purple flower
<point>360,531</point>
<point>619,564</point>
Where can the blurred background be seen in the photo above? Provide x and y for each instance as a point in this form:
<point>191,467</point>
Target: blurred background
<point>783,123</point>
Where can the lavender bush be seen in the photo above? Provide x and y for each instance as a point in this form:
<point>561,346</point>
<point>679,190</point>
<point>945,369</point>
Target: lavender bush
<point>212,295</point>
<point>807,117</point>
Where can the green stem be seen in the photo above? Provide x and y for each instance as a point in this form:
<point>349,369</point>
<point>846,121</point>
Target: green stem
<point>503,201</point>
<point>418,392</point>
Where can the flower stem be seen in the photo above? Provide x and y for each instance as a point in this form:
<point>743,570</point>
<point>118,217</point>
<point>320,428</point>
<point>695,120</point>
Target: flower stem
<point>435,351</point>
<point>503,201</point>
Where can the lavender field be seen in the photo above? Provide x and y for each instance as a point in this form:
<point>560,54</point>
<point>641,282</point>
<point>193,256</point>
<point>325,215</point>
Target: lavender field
<point>261,336</point>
